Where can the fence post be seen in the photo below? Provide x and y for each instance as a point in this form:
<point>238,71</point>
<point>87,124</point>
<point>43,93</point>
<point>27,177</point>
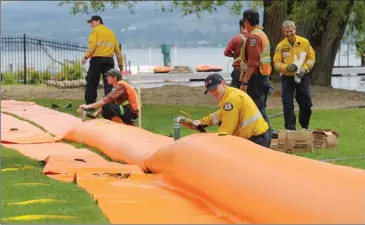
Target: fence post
<point>25,57</point>
<point>121,51</point>
<point>348,54</point>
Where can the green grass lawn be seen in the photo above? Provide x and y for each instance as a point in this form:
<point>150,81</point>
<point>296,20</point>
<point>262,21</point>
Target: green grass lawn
<point>26,192</point>
<point>350,123</point>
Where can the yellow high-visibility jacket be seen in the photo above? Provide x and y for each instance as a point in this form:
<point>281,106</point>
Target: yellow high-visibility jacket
<point>239,115</point>
<point>103,43</point>
<point>284,55</point>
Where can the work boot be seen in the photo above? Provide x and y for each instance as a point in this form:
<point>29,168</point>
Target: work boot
<point>117,119</point>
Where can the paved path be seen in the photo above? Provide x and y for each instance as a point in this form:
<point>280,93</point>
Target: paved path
<point>181,78</point>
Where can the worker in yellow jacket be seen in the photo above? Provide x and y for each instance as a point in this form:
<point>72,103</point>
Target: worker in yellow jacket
<point>102,46</point>
<point>294,75</point>
<point>237,115</point>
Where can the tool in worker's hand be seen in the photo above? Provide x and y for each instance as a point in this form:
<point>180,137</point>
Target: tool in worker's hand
<point>85,114</point>
<point>299,63</point>
<point>188,122</point>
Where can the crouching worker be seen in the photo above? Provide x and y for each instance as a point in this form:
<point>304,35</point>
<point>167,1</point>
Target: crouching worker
<point>120,105</point>
<point>238,114</point>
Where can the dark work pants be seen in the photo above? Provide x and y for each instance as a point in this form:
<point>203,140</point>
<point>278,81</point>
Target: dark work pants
<point>111,110</point>
<point>235,78</point>
<point>98,65</point>
<point>262,139</point>
<point>258,88</point>
<point>303,98</point>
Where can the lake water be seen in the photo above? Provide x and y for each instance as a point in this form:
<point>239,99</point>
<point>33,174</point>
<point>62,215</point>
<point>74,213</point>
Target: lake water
<point>46,58</point>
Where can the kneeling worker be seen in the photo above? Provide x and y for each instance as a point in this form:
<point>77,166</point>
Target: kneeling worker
<point>238,113</point>
<point>120,105</point>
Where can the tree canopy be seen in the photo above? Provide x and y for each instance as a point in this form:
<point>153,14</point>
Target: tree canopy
<point>187,7</point>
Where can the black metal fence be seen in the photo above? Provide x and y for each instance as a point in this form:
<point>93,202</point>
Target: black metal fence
<point>34,60</point>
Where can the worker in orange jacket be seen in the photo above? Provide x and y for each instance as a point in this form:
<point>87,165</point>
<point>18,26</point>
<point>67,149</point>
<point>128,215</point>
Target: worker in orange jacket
<point>257,56</point>
<point>120,105</point>
<point>235,50</point>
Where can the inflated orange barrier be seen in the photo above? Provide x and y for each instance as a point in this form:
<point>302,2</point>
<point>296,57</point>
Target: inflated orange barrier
<point>61,122</point>
<point>162,69</point>
<point>16,131</point>
<point>141,200</point>
<point>262,185</point>
<point>119,142</point>
<point>208,68</point>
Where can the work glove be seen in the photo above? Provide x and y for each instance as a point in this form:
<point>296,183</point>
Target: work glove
<point>302,72</point>
<point>291,68</point>
<point>196,123</point>
<point>298,76</point>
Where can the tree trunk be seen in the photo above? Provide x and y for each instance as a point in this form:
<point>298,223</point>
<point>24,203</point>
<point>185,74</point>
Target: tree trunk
<point>275,12</point>
<point>328,45</point>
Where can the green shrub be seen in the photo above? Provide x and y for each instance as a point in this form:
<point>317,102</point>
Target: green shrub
<point>37,77</point>
<point>34,76</point>
<point>72,71</point>
<point>46,75</point>
<point>69,71</point>
<point>8,78</point>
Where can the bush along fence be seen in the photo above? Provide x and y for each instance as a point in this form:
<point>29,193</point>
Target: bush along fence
<point>36,60</point>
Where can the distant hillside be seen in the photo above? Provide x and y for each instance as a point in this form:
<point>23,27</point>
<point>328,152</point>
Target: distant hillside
<point>147,27</point>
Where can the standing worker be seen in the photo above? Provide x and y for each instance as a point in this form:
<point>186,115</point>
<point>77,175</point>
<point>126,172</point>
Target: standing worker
<point>257,56</point>
<point>237,113</point>
<point>235,49</point>
<point>294,45</point>
<point>102,46</point>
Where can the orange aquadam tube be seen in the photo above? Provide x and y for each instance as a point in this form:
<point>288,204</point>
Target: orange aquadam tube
<point>119,142</point>
<point>15,131</point>
<point>262,185</point>
<point>61,122</point>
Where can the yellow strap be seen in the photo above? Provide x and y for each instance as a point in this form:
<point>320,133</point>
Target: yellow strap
<point>125,103</point>
<point>237,59</point>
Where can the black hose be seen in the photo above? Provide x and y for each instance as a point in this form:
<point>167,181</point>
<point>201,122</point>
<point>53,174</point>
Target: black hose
<point>344,158</point>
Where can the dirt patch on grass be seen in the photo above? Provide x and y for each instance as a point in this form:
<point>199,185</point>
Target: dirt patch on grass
<point>323,97</point>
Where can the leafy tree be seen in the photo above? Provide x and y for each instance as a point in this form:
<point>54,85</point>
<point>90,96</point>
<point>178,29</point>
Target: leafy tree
<point>325,23</point>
